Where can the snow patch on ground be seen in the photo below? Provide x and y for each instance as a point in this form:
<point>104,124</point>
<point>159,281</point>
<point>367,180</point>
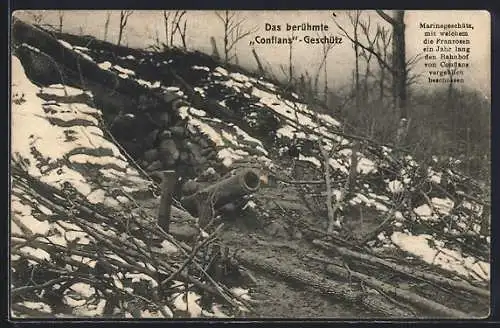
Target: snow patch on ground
<point>148,84</point>
<point>190,306</point>
<point>310,159</point>
<point>442,205</point>
<point>423,211</point>
<point>58,90</point>
<point>447,259</point>
<point>229,155</point>
<point>40,306</point>
<point>202,68</point>
<point>105,65</point>
<point>123,70</point>
<point>65,44</point>
<point>395,187</point>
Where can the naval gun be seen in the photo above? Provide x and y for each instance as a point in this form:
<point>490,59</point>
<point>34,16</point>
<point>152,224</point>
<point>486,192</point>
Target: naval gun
<point>202,201</point>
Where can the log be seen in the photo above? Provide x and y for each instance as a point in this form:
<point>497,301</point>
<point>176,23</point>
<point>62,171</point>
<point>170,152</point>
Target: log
<point>26,33</point>
<point>211,106</point>
<point>75,64</point>
<point>327,287</point>
<point>440,310</point>
<point>408,271</point>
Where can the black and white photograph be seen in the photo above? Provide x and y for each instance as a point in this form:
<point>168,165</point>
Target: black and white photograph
<point>238,164</point>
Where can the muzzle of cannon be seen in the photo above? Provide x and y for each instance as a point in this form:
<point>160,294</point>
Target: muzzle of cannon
<point>204,200</point>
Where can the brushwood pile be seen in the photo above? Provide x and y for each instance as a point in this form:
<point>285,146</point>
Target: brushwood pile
<point>91,127</point>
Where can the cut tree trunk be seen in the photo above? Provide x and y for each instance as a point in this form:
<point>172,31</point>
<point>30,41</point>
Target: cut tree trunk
<point>438,310</point>
<point>79,68</point>
<point>326,287</point>
<point>411,272</point>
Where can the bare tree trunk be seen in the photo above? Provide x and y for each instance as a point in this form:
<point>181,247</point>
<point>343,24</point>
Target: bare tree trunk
<point>351,179</point>
<point>165,22</point>
<point>157,39</point>
<point>326,85</point>
<point>450,106</point>
<point>259,64</point>
<point>329,194</point>
<point>399,63</point>
<point>175,27</point>
<point>172,29</point>
<point>385,39</point>
<point>124,15</point>
<point>215,52</point>
<point>356,57</point>
<point>183,34</point>
<point>290,62</point>
<point>356,76</point>
<point>120,32</point>
<point>61,18</point>
<point>226,37</point>
<point>233,32</point>
<point>468,152</point>
<point>366,89</point>
<point>106,25</point>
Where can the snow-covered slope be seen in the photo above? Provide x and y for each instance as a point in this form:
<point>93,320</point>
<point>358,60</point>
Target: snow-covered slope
<point>62,144</point>
<point>436,222</point>
<point>434,213</point>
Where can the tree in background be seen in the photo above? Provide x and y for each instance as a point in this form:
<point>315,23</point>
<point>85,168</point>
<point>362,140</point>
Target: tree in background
<point>371,39</point>
<point>354,20</point>
<point>106,25</point>
<point>60,16</point>
<point>398,66</point>
<point>173,27</point>
<point>289,70</point>
<point>382,46</point>
<point>124,16</point>
<point>325,51</point>
<point>234,31</point>
<point>37,17</point>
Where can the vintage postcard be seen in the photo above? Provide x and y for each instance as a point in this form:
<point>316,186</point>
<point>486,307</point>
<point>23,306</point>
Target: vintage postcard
<point>175,164</point>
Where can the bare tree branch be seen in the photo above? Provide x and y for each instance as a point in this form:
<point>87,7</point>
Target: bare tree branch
<point>124,15</point>
<point>106,25</point>
<point>386,17</point>
<point>233,32</point>
<point>371,50</point>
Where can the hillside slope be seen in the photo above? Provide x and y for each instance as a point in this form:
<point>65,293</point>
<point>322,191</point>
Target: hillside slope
<point>187,112</point>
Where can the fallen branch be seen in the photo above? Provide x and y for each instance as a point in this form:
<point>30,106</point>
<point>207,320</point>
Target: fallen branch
<point>336,239</point>
<point>325,286</point>
<point>118,240</point>
<point>193,254</point>
<point>410,272</point>
<point>421,302</point>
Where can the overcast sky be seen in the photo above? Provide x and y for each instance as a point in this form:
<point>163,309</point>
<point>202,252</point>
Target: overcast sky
<point>201,25</point>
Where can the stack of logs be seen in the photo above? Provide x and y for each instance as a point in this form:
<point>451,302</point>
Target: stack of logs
<point>177,146</point>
